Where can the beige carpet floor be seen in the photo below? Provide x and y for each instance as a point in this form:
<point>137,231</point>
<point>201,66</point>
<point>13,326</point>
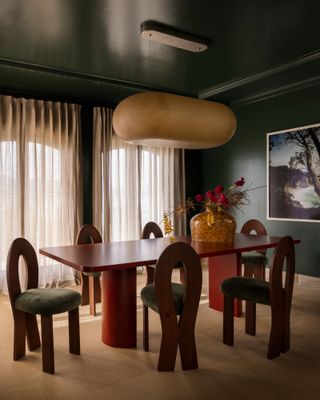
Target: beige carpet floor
<point>239,372</point>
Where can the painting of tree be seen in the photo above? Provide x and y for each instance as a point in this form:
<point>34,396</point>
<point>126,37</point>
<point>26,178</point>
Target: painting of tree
<point>294,174</point>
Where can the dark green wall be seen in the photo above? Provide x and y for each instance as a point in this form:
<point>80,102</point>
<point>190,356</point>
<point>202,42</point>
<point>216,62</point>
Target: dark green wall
<point>245,155</point>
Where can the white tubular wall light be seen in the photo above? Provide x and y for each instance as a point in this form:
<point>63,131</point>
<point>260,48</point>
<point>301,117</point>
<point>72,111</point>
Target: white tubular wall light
<point>165,34</point>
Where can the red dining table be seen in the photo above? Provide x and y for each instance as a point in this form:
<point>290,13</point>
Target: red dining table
<point>118,261</point>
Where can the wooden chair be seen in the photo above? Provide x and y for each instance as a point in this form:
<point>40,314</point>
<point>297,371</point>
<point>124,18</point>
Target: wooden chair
<point>149,230</point>
<point>46,302</point>
<point>254,261</point>
<point>177,305</point>
<point>271,293</point>
<point>90,281</point>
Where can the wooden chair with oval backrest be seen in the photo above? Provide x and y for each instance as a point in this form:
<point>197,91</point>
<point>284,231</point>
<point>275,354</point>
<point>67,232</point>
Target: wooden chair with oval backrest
<point>90,282</point>
<point>254,263</point>
<point>177,304</point>
<point>149,230</point>
<point>46,302</point>
<point>272,293</point>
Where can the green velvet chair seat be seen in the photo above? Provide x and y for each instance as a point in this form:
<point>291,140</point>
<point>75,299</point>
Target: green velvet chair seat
<point>252,258</point>
<point>246,288</point>
<point>94,274</point>
<point>47,301</point>
<point>148,297</point>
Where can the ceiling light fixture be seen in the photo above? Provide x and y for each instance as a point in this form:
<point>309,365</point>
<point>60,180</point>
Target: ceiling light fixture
<point>165,34</point>
<point>168,120</point>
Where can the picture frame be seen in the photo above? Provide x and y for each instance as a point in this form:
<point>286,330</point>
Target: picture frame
<point>293,174</point>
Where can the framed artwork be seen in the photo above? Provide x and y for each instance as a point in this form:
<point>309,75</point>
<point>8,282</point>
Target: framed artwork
<point>293,174</point>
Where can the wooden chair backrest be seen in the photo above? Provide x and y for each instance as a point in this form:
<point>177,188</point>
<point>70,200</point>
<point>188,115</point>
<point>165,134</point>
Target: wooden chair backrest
<point>254,225</point>
<point>183,254</point>
<point>21,247</point>
<point>284,254</point>
<point>151,228</point>
<point>88,234</point>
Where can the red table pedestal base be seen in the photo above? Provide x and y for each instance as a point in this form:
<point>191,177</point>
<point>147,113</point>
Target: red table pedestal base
<point>119,308</point>
<point>221,268</point>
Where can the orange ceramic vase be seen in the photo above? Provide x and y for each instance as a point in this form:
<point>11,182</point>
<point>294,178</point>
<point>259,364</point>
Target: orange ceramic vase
<point>209,226</point>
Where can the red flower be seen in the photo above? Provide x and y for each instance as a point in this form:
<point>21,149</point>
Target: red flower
<point>219,189</point>
<point>198,198</point>
<point>240,182</point>
<point>210,195</point>
<point>223,200</point>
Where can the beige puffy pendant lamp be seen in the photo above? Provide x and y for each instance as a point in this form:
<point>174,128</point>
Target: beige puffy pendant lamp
<point>167,120</point>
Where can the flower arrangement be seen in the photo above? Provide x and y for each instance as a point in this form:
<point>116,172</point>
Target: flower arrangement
<point>215,201</point>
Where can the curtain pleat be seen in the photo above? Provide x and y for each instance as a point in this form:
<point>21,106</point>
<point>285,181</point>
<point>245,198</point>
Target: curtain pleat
<point>40,170</point>
<point>132,184</point>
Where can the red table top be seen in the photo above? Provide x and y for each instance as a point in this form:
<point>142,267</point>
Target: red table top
<point>135,253</point>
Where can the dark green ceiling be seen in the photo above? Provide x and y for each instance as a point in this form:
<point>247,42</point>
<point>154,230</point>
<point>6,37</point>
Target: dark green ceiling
<point>92,50</point>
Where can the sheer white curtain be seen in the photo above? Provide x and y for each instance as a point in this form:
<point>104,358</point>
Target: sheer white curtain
<point>40,197</point>
<point>132,184</point>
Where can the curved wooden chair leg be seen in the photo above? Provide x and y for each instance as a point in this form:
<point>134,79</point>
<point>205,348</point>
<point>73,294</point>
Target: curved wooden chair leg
<point>275,341</point>
<point>47,344</point>
<point>228,321</point>
<point>20,330</point>
<point>94,293</point>
<point>150,274</point>
<point>248,270</point>
<point>84,284</point>
<point>97,289</point>
<point>187,344</point>
<point>33,337</point>
<point>250,318</point>
<point>150,280</point>
<point>169,343</point>
<point>259,272</point>
<point>74,331</point>
<point>285,345</point>
<point>145,328</point>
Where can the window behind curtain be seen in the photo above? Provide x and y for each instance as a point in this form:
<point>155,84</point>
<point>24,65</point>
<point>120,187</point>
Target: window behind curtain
<point>132,184</point>
<point>9,200</point>
<point>39,177</point>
